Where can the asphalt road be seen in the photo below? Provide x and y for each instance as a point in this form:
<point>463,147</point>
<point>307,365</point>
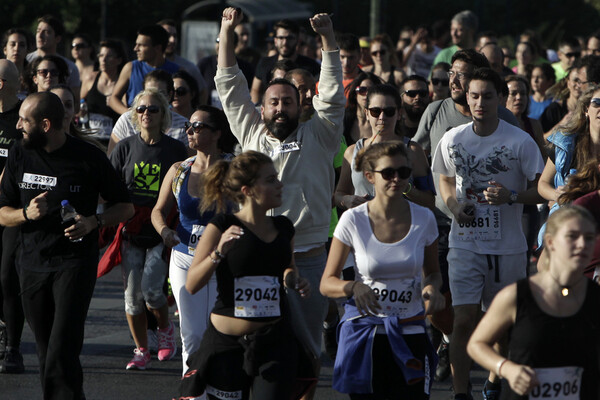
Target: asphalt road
<point>108,347</point>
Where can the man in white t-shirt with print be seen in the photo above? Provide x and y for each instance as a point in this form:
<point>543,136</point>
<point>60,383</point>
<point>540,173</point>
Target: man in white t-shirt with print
<point>488,170</point>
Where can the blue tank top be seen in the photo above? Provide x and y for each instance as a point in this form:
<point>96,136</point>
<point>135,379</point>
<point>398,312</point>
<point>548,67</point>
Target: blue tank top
<point>139,69</point>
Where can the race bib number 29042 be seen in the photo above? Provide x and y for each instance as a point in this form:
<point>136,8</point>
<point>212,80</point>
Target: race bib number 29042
<point>558,383</point>
<point>256,296</point>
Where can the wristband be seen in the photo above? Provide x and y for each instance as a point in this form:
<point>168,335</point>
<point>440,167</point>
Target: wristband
<point>499,367</point>
<point>215,261</point>
<point>219,255</point>
<point>25,213</point>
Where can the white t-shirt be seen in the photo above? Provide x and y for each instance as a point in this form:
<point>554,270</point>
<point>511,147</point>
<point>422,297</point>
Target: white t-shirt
<point>124,127</point>
<point>378,262</point>
<point>508,156</point>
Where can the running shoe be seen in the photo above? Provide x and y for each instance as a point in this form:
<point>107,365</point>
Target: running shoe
<point>140,360</point>
<point>167,347</point>
<point>13,362</point>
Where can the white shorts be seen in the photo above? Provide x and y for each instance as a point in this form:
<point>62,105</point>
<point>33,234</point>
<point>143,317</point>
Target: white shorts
<point>476,278</point>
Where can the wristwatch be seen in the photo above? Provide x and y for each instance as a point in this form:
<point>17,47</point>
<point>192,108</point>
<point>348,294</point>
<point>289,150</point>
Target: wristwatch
<point>513,197</point>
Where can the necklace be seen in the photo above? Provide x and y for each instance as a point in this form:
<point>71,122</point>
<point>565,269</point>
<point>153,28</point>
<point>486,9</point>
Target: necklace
<point>565,290</point>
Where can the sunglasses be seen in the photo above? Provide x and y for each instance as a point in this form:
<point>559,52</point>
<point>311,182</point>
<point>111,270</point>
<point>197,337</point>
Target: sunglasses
<point>362,90</point>
<point>389,173</point>
<point>436,81</point>
<point>572,54</point>
<point>46,72</point>
<point>379,52</point>
<point>387,111</point>
<point>414,93</point>
<point>79,46</point>
<point>595,102</point>
<point>151,109</point>
<point>181,91</point>
<point>197,126</point>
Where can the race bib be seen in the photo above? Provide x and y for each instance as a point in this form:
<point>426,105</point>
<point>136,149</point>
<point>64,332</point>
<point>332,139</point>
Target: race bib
<point>285,148</point>
<point>3,152</point>
<point>197,231</point>
<point>398,297</point>
<point>222,394</point>
<point>102,124</point>
<point>39,179</point>
<point>558,383</point>
<point>485,226</point>
<point>256,296</point>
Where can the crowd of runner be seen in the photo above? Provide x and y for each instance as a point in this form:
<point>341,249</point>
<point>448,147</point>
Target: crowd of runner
<point>425,185</point>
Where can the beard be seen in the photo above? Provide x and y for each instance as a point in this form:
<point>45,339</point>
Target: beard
<point>460,99</point>
<point>413,112</point>
<point>281,130</point>
<point>36,139</point>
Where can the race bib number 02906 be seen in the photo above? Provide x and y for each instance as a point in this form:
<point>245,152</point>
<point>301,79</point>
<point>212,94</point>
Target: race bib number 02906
<point>398,297</point>
<point>557,383</point>
<point>256,296</point>
<point>486,225</point>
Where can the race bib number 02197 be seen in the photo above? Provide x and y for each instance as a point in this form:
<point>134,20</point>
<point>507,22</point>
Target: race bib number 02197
<point>256,296</point>
<point>398,297</point>
<point>486,225</point>
<point>557,383</point>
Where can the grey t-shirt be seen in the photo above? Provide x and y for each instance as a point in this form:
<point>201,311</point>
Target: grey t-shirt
<point>439,117</point>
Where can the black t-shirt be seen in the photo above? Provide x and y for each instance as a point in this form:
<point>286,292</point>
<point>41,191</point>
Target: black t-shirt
<point>266,64</point>
<point>552,115</point>
<point>9,133</point>
<point>78,172</point>
<point>143,166</point>
<point>250,256</point>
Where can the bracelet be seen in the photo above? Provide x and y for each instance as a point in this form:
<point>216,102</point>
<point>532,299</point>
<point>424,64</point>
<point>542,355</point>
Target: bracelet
<point>409,189</point>
<point>499,367</point>
<point>25,213</point>
<point>215,261</point>
<point>219,255</point>
<point>100,222</point>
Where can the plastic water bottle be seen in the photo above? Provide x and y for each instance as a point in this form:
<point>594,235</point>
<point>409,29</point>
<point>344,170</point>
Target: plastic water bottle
<point>84,118</point>
<point>68,214</point>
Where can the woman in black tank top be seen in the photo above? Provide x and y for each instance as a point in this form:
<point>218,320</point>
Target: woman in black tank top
<point>552,320</point>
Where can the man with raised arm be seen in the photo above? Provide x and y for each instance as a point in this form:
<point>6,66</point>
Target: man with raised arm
<point>302,153</point>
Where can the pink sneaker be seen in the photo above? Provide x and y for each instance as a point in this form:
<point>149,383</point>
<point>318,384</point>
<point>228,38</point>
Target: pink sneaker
<point>140,360</point>
<point>167,347</point>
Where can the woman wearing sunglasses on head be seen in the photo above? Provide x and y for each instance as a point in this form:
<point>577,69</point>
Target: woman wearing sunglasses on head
<point>382,111</point>
<point>143,160</point>
<point>209,135</point>
<point>185,95</point>
<point>383,349</point>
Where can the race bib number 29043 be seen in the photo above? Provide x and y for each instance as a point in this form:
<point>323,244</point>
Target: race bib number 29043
<point>558,383</point>
<point>397,297</point>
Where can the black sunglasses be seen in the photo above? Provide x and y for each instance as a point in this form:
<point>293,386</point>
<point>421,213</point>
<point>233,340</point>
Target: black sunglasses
<point>151,109</point>
<point>379,52</point>
<point>595,102</point>
<point>572,54</point>
<point>436,81</point>
<point>414,93</point>
<point>181,91</point>
<point>387,111</point>
<point>79,46</point>
<point>362,90</point>
<point>197,126</point>
<point>389,173</point>
<point>45,72</point>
